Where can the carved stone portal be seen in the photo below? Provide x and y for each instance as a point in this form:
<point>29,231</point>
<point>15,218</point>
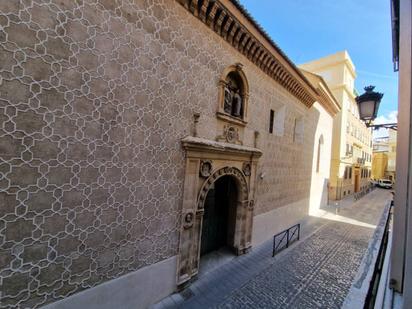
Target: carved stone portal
<point>200,176</point>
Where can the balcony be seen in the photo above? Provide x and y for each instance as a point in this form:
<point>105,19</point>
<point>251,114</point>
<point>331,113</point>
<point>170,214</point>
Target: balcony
<point>360,161</point>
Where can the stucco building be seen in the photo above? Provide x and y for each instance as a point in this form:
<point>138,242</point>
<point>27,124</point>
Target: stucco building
<point>384,157</point>
<point>125,124</point>
<point>352,140</point>
<point>391,169</point>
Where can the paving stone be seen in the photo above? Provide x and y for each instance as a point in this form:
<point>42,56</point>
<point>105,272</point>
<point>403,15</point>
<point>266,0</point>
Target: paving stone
<point>315,272</point>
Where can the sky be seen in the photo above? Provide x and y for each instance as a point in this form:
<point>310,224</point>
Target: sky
<point>310,29</point>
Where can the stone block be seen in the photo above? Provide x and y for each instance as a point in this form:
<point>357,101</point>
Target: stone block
<point>35,253</point>
<point>14,91</point>
<point>51,273</point>
<point>59,175</point>
<point>64,126</point>
<point>72,198</point>
<point>21,34</point>
<point>80,264</point>
<point>23,175</point>
<point>19,230</point>
<point>38,69</point>
<point>14,284</point>
<point>40,201</point>
<point>45,149</point>
<point>67,245</point>
<point>52,99</point>
<point>10,147</point>
<point>54,224</point>
<point>5,258</point>
<point>30,122</point>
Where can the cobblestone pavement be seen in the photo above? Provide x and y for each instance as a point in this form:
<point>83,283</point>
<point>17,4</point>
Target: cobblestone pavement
<point>316,272</point>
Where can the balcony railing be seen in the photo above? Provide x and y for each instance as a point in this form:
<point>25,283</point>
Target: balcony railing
<point>360,161</point>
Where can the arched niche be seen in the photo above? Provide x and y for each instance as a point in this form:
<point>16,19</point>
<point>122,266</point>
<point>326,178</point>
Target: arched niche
<point>233,95</point>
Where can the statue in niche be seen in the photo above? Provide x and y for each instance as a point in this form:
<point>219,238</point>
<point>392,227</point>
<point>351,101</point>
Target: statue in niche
<point>228,100</point>
<point>237,105</point>
<point>233,102</point>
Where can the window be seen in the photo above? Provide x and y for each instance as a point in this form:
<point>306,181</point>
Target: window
<point>271,120</point>
<point>279,121</point>
<point>349,149</point>
<point>345,175</point>
<point>320,144</point>
<point>350,172</point>
<point>298,130</point>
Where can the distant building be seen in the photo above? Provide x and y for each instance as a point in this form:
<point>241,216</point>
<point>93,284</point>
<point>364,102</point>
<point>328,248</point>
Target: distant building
<point>384,157</point>
<point>392,144</point>
<point>352,140</point>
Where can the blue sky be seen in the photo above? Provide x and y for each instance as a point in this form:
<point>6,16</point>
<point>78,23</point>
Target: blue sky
<point>310,29</point>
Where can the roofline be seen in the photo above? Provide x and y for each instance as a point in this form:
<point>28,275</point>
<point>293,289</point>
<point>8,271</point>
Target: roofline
<point>346,61</point>
<point>231,21</point>
<point>326,97</point>
<point>263,32</point>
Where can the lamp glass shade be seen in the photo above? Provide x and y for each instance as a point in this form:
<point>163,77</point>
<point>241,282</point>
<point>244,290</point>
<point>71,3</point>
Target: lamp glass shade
<point>367,109</point>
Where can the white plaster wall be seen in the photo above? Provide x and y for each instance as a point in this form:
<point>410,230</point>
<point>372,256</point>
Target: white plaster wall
<point>272,222</point>
<point>138,289</point>
<point>318,188</point>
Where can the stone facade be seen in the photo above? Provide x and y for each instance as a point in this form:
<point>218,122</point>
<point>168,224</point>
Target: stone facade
<point>95,99</point>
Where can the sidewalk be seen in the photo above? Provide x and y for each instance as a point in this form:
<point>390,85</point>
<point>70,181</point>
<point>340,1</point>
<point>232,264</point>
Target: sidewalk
<point>315,272</point>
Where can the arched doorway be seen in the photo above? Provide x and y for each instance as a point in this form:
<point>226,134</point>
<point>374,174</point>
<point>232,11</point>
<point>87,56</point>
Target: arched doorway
<point>207,186</point>
<point>219,217</point>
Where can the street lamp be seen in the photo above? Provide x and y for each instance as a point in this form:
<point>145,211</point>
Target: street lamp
<point>368,104</point>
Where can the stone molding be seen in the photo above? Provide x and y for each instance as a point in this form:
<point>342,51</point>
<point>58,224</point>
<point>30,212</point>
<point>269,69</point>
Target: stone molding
<point>225,171</point>
<point>328,103</point>
<point>217,16</point>
<point>191,143</point>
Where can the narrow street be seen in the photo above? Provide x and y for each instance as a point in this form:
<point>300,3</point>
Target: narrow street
<point>315,272</point>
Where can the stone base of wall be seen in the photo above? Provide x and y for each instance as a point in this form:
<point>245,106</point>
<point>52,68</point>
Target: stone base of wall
<point>138,289</point>
<point>272,222</point>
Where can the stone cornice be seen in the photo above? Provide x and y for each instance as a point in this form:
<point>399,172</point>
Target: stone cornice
<point>346,89</point>
<point>328,101</point>
<point>191,143</point>
<point>325,96</point>
<point>249,40</point>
